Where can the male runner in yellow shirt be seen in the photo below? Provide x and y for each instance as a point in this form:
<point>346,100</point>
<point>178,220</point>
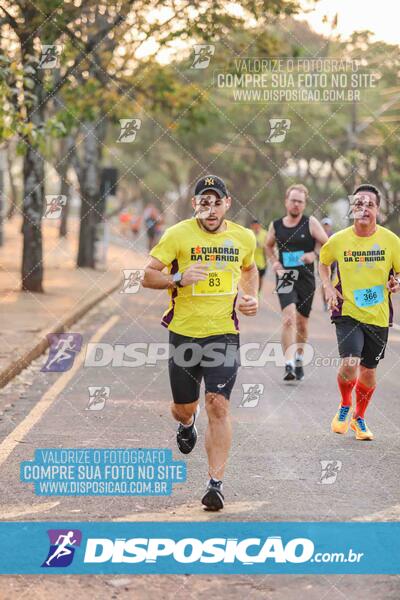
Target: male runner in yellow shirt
<point>207,257</point>
<point>368,261</point>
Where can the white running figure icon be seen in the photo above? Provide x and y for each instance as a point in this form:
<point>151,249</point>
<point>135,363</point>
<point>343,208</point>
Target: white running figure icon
<point>62,549</point>
<point>62,346</point>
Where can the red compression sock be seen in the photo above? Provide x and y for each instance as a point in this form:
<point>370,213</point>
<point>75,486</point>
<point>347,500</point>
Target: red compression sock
<point>346,387</point>
<point>363,396</point>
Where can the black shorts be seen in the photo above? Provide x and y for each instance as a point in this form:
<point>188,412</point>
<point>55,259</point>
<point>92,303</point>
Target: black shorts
<point>365,341</point>
<point>216,358</point>
<point>300,292</point>
<point>261,272</point>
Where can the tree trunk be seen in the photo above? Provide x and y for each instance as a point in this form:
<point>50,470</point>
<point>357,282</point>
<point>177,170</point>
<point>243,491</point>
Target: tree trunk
<point>2,195</point>
<point>64,191</point>
<point>13,189</point>
<point>32,257</point>
<point>63,165</point>
<point>89,182</point>
<point>33,190</point>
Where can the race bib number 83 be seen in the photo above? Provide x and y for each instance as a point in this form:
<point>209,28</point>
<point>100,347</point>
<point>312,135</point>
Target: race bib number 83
<point>217,283</point>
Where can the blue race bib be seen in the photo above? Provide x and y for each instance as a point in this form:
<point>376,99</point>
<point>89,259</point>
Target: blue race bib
<point>369,296</point>
<point>292,259</point>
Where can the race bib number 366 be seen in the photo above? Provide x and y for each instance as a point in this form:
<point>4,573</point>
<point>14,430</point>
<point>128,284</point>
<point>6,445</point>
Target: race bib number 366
<point>369,296</point>
<point>217,283</point>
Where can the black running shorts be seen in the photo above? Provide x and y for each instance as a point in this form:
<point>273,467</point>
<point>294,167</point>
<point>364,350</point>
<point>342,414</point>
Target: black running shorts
<point>361,339</point>
<point>300,292</point>
<point>214,358</point>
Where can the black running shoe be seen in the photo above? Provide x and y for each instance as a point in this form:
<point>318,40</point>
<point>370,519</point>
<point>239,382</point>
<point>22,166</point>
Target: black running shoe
<point>186,437</point>
<point>213,499</point>
<point>298,369</point>
<point>289,373</point>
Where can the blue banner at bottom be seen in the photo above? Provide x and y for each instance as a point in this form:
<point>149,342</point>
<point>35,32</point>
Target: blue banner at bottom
<point>199,548</point>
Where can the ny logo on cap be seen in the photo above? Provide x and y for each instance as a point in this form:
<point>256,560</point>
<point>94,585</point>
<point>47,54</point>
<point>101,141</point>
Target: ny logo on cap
<point>209,181</point>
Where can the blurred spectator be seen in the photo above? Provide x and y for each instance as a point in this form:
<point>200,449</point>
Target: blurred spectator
<point>136,223</point>
<point>152,223</point>
<point>124,221</point>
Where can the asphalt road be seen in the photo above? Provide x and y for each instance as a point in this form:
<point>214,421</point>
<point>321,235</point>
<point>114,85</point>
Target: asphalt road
<point>274,472</point>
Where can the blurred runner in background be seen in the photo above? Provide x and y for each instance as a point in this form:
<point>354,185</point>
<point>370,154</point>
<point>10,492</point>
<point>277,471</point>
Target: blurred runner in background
<point>298,239</point>
<point>136,223</point>
<point>124,220</point>
<point>151,217</point>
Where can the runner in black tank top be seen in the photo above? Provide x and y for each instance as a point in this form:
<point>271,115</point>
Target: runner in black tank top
<point>296,237</point>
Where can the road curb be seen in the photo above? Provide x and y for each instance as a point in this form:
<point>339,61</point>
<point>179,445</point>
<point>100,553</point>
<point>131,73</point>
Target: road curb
<point>17,365</point>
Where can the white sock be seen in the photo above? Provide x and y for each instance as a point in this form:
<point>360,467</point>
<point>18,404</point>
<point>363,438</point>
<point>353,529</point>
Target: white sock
<point>193,418</point>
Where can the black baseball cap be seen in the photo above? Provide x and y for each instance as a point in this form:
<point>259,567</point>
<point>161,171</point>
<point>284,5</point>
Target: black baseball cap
<point>211,182</point>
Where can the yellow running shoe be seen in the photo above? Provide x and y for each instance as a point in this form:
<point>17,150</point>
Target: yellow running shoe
<point>341,421</point>
<point>360,427</point>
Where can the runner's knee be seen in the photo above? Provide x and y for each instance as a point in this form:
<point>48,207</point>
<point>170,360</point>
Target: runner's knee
<point>289,319</point>
<point>348,369</point>
<point>217,406</point>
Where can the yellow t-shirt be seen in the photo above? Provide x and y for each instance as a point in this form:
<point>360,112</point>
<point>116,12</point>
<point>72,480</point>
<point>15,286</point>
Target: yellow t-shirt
<point>364,266</point>
<point>208,307</point>
<point>259,254</point>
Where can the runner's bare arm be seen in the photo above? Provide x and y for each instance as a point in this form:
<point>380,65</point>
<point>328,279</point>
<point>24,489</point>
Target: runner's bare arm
<point>248,303</point>
<point>324,273</point>
<point>155,279</point>
<point>318,233</point>
<point>331,293</point>
<point>270,249</point>
<point>393,284</point>
<point>320,236</point>
<point>249,280</point>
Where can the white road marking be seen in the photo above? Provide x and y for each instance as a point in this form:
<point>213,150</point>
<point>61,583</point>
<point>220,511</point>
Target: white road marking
<point>37,412</point>
<point>392,513</point>
<point>23,510</point>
